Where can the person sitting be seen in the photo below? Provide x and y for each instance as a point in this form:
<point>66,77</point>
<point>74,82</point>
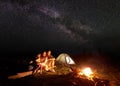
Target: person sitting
<point>37,61</point>
<point>44,60</point>
<point>51,61</point>
<point>41,62</point>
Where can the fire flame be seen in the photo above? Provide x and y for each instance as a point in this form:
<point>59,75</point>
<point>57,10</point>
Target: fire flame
<point>86,72</point>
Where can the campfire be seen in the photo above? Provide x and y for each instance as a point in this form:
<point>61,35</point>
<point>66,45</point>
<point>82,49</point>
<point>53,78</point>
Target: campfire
<point>64,65</point>
<point>85,73</point>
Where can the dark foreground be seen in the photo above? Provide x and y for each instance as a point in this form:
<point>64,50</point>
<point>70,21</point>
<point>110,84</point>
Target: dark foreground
<point>49,80</point>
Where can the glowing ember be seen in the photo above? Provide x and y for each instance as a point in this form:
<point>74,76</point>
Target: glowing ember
<point>87,72</point>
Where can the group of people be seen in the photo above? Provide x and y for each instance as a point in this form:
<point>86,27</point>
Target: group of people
<point>45,61</point>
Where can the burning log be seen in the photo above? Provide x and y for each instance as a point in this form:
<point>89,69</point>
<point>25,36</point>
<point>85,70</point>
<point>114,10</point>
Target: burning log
<point>87,74</point>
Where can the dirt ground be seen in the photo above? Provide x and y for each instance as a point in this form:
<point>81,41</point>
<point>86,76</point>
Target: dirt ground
<point>47,80</point>
<point>62,77</point>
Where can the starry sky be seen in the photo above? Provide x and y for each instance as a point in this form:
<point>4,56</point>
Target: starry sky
<point>71,26</point>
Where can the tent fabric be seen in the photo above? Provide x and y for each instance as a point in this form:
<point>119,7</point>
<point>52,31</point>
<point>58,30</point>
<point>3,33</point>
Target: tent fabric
<point>65,58</point>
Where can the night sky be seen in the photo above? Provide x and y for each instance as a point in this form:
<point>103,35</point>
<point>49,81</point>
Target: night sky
<point>71,26</point>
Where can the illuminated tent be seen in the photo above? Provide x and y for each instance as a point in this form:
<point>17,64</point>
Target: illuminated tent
<point>65,58</point>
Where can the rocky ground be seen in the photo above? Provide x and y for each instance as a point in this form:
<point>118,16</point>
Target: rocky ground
<point>63,76</point>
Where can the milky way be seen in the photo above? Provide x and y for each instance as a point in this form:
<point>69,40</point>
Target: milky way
<point>78,25</point>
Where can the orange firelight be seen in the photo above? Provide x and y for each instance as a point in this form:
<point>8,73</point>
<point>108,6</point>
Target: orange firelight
<point>86,72</point>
